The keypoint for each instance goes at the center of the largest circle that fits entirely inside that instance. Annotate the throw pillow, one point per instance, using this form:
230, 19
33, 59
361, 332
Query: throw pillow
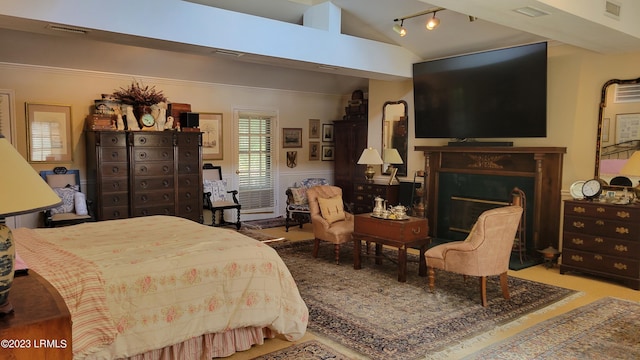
67, 196
332, 209
217, 188
80, 201
299, 196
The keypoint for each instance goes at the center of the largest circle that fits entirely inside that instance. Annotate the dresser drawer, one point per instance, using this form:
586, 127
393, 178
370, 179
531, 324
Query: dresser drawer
114, 169
189, 139
602, 263
152, 183
605, 227
371, 189
189, 167
153, 210
115, 199
114, 184
600, 244
154, 198
113, 155
153, 168
607, 211
111, 139
163, 139
115, 212
190, 181
153, 154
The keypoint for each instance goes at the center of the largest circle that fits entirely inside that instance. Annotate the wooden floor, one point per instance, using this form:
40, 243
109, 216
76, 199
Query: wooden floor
591, 288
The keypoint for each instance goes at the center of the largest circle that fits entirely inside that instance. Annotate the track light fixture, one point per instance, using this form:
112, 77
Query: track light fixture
433, 22
400, 28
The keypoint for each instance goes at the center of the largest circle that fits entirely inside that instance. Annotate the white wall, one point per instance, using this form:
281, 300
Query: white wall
79, 88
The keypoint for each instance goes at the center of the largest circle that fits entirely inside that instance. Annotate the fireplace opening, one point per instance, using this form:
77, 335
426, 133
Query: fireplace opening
465, 211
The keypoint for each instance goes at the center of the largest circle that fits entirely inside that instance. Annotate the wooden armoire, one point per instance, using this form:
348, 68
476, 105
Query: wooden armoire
350, 138
140, 173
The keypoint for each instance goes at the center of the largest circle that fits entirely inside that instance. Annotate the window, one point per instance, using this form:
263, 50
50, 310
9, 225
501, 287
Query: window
255, 162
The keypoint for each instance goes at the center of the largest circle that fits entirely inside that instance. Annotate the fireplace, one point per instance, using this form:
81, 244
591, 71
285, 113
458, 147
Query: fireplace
464, 211
489, 174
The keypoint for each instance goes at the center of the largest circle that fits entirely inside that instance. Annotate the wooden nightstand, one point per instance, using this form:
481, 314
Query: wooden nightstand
364, 193
40, 326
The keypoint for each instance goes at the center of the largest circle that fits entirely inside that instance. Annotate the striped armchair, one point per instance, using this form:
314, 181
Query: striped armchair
297, 205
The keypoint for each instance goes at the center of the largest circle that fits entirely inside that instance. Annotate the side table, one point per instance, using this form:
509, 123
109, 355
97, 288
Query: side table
401, 234
40, 326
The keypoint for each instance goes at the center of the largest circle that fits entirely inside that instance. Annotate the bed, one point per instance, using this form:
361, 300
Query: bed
163, 287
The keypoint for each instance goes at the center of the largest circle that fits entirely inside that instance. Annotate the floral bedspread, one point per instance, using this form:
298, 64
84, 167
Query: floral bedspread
138, 284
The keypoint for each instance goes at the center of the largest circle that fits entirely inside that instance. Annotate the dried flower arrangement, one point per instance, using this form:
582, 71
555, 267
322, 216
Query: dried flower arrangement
139, 95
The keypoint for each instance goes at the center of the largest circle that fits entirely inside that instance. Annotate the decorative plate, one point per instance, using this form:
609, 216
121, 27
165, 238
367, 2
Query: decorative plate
576, 190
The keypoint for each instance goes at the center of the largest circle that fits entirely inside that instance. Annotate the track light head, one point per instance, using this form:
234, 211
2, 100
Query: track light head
400, 29
433, 22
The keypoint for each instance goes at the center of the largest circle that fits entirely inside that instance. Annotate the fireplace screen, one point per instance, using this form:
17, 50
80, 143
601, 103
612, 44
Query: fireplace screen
465, 211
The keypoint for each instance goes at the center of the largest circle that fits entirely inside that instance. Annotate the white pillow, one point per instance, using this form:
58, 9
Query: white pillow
81, 203
67, 196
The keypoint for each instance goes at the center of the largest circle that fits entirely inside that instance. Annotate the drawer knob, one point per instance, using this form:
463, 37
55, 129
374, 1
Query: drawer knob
597, 257
577, 241
577, 258
599, 222
578, 224
623, 214
600, 210
579, 209
622, 230
416, 230
621, 248
620, 266
599, 240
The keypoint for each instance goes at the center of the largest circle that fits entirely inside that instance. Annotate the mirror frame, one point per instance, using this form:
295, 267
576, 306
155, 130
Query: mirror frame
402, 168
603, 105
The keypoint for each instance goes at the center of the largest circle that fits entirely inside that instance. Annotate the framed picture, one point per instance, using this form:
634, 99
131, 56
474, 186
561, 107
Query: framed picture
314, 150
314, 128
49, 133
327, 132
211, 128
328, 152
292, 137
627, 128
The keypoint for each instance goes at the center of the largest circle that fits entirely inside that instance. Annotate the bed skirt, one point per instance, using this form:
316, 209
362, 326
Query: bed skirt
210, 345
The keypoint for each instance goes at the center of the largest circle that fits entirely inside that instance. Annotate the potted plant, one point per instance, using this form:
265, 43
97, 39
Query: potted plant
140, 97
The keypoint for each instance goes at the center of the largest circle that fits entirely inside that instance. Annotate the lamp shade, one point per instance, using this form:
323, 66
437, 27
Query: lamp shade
22, 190
370, 156
391, 156
632, 166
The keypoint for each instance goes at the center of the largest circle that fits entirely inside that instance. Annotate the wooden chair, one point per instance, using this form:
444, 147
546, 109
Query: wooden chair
485, 252
75, 208
215, 196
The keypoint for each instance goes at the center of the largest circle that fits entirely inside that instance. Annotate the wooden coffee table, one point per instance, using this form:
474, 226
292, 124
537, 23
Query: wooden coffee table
401, 234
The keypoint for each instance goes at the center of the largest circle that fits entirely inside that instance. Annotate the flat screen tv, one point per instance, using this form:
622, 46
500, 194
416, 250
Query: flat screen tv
493, 94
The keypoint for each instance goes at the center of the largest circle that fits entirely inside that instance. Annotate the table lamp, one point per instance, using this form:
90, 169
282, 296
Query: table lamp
369, 157
391, 157
632, 168
22, 191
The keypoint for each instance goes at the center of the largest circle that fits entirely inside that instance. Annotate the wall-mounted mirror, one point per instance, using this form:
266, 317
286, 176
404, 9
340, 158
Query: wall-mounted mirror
395, 128
619, 133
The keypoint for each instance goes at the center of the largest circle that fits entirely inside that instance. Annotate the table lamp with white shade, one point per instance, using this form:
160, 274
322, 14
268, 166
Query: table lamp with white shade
22, 191
391, 157
370, 157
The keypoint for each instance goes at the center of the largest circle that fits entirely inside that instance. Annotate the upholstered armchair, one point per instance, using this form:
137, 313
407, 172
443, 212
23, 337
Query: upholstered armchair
297, 204
330, 222
485, 252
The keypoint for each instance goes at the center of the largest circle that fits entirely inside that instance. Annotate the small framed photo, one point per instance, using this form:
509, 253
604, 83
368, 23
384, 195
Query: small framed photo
49, 133
211, 128
327, 132
314, 150
328, 152
292, 137
314, 128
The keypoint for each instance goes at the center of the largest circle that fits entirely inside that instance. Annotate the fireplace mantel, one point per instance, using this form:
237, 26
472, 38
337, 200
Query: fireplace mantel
542, 166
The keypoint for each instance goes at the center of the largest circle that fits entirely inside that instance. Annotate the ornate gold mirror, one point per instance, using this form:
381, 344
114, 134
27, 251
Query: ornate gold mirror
619, 133
395, 128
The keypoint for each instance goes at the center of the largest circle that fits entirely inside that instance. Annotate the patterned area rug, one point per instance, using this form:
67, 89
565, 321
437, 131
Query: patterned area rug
308, 350
605, 329
369, 311
264, 223
258, 235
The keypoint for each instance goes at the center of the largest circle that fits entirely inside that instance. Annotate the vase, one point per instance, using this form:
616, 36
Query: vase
7, 263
